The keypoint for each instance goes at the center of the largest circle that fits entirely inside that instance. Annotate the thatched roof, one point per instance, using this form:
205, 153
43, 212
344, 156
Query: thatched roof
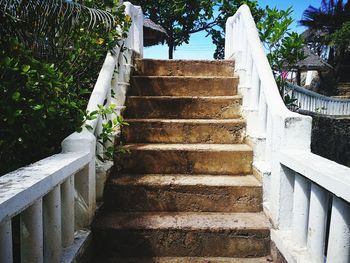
312, 62
153, 33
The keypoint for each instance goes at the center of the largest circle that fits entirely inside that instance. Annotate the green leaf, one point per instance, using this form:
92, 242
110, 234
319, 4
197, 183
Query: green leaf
16, 96
25, 68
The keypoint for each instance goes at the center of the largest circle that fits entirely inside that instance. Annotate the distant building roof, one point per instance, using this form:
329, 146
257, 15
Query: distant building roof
153, 33
312, 62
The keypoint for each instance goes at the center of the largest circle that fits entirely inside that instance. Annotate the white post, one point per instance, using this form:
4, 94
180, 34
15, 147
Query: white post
229, 38
52, 226
31, 229
85, 180
339, 233
139, 31
300, 210
67, 208
317, 223
6, 242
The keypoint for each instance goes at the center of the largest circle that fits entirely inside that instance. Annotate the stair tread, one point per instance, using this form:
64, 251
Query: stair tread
188, 147
199, 121
195, 221
186, 97
185, 180
182, 77
187, 260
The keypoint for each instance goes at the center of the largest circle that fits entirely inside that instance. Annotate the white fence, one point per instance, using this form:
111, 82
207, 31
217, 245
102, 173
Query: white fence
55, 198
314, 102
296, 182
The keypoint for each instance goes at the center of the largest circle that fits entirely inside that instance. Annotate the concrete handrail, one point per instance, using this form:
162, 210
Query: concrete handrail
295, 195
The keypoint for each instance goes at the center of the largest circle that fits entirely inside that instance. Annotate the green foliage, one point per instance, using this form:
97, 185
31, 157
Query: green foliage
46, 77
285, 48
341, 39
226, 9
180, 18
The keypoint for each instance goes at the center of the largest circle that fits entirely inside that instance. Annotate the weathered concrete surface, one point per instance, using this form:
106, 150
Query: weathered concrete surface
184, 131
151, 67
331, 137
215, 159
187, 260
184, 234
181, 193
172, 107
183, 86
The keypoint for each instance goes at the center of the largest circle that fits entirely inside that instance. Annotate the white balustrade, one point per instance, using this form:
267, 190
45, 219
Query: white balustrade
296, 183
311, 101
55, 198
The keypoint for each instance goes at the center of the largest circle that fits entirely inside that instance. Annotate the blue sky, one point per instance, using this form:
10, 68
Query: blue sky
201, 47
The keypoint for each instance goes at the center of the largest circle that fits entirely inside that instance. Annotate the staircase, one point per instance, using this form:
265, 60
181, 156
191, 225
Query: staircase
186, 192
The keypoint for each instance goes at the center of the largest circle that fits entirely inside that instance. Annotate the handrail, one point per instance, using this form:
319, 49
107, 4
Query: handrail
296, 183
311, 101
55, 198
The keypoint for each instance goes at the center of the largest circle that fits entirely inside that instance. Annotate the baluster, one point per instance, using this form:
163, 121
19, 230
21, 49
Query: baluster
6, 242
52, 226
268, 143
317, 223
85, 185
300, 209
255, 89
229, 38
31, 229
339, 233
67, 208
262, 113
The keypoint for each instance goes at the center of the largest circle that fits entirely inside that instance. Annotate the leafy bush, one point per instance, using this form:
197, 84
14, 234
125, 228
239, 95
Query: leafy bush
46, 79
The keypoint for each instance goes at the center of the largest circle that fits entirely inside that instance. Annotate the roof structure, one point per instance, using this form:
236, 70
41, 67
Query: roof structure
153, 33
312, 62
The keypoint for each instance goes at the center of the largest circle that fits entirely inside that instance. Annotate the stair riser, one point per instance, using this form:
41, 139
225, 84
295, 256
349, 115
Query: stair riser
184, 86
184, 68
180, 198
165, 132
186, 162
240, 243
183, 108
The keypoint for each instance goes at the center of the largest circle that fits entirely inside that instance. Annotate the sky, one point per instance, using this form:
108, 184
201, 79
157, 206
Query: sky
201, 47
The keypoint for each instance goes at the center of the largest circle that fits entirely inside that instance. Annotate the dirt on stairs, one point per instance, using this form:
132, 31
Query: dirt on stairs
186, 192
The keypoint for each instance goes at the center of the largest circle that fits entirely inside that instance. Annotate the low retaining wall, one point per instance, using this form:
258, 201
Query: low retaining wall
331, 137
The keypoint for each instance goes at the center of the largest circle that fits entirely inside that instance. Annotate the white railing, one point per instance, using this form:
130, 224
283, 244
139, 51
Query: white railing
311, 101
295, 181
55, 198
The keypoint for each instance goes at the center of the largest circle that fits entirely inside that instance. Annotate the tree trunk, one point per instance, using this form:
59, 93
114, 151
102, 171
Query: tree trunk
171, 49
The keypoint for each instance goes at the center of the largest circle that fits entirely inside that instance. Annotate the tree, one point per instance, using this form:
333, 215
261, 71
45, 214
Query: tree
323, 22
180, 18
227, 8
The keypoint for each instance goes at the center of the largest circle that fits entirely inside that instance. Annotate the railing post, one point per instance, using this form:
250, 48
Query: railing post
139, 31
339, 233
229, 39
6, 254
67, 208
52, 226
317, 223
32, 234
300, 210
84, 180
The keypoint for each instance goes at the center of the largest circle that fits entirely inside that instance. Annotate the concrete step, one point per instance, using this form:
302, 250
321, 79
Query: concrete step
185, 260
181, 193
184, 131
184, 67
243, 235
173, 107
183, 86
216, 159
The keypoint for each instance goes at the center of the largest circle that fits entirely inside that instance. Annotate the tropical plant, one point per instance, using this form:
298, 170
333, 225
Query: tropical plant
51, 53
323, 22
284, 47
